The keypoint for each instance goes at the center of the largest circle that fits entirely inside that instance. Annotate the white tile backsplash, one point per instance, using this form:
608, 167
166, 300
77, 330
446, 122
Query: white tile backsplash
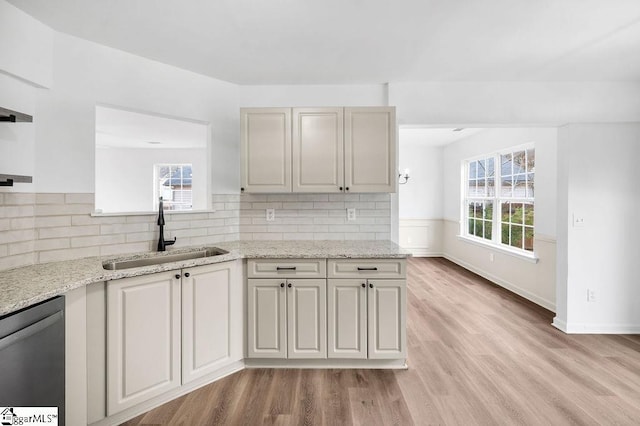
38, 228
315, 216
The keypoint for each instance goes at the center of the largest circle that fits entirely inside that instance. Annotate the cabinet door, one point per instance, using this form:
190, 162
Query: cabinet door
267, 316
143, 339
318, 151
347, 318
307, 318
266, 149
387, 319
370, 149
207, 297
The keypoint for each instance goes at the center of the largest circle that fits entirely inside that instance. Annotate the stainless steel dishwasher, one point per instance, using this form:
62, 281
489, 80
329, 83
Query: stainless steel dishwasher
32, 357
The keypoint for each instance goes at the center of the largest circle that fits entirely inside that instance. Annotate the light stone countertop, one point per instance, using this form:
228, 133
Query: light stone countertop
28, 285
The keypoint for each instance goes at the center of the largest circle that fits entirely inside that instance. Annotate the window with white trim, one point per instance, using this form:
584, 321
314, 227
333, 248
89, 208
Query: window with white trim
499, 198
173, 182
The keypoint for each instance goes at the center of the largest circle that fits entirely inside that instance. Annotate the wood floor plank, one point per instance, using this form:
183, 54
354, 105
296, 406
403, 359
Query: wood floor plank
477, 354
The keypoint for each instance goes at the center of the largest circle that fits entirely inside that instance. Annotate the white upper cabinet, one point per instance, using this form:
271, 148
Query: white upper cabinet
266, 149
318, 150
329, 149
370, 149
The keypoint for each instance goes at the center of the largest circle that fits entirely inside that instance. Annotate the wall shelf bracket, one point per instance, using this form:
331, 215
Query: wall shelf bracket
9, 180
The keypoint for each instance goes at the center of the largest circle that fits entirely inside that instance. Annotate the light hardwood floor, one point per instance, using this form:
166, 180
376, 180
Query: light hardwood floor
478, 354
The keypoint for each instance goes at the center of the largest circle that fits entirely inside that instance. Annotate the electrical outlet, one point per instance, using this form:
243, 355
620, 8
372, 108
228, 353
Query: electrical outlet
578, 221
351, 214
270, 215
490, 257
591, 295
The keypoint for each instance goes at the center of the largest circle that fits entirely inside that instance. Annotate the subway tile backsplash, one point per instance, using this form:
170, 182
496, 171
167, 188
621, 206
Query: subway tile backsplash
315, 217
39, 228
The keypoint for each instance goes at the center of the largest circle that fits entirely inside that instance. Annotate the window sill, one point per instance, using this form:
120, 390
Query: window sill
531, 258
149, 213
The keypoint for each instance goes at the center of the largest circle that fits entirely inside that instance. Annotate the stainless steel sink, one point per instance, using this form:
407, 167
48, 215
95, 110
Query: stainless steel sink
158, 260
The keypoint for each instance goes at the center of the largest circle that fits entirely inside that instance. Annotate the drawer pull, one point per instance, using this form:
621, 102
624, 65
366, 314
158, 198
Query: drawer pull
367, 269
285, 268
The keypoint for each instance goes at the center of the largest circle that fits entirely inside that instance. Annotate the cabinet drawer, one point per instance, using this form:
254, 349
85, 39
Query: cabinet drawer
285, 268
367, 268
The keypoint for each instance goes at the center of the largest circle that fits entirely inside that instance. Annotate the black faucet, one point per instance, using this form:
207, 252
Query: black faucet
161, 241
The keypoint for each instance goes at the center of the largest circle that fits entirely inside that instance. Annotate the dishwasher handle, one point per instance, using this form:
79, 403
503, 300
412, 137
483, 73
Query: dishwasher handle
30, 330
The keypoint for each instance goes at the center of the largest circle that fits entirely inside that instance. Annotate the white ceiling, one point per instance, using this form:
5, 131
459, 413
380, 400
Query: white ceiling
117, 128
433, 136
365, 41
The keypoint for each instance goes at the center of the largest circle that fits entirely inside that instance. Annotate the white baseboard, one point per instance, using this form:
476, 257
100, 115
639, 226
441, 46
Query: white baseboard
559, 324
547, 304
423, 252
372, 364
589, 328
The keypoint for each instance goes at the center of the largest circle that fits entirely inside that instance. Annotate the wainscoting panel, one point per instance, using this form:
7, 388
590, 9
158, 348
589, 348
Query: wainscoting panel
422, 237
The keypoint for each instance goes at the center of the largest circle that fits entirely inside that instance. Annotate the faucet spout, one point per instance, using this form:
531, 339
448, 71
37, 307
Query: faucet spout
162, 243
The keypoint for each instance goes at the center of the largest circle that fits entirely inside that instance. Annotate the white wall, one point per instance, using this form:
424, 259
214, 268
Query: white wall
17, 140
422, 197
25, 64
26, 46
124, 177
420, 201
535, 281
86, 73
303, 96
514, 103
597, 164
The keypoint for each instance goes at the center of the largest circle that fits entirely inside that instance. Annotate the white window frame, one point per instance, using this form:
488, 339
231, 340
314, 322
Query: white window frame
497, 199
156, 189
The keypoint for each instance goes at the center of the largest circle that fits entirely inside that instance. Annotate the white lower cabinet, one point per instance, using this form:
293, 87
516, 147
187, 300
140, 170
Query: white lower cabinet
347, 318
168, 329
387, 318
366, 318
208, 324
267, 318
307, 318
143, 339
287, 318
359, 312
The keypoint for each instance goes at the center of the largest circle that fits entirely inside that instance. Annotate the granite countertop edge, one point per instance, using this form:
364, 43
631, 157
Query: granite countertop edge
29, 285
